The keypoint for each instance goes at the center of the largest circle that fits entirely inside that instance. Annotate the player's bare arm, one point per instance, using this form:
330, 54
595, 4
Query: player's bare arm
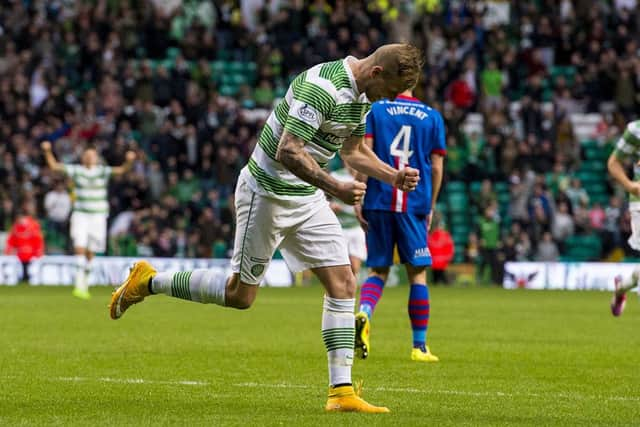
360, 157
359, 176
53, 164
130, 157
616, 170
291, 153
437, 171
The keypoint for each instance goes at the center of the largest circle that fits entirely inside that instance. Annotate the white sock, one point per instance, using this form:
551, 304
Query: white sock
338, 334
87, 272
81, 273
205, 286
629, 284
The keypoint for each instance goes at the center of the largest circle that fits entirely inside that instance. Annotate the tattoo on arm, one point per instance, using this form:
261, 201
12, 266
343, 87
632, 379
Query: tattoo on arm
291, 153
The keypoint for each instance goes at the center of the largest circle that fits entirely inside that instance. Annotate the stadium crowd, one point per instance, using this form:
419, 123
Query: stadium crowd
187, 84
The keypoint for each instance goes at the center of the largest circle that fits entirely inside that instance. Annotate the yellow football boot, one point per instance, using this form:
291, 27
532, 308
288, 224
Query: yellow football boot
363, 345
423, 355
345, 399
134, 289
78, 293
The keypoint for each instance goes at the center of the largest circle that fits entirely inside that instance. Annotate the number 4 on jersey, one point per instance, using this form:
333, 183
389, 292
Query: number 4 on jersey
403, 153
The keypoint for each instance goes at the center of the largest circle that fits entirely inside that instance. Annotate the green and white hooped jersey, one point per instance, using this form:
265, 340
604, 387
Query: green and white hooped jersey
347, 214
90, 188
323, 107
628, 147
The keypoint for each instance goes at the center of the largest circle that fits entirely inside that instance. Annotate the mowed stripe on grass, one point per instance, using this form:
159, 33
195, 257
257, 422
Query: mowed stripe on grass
508, 358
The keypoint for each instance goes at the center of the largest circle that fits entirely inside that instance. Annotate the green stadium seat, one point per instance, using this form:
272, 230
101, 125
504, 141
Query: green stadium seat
217, 67
280, 91
173, 53
587, 177
227, 90
456, 187
501, 187
583, 248
458, 218
238, 79
235, 67
458, 202
596, 188
593, 165
223, 55
504, 198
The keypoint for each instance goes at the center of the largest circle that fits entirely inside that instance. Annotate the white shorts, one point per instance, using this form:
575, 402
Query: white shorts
356, 242
308, 234
89, 231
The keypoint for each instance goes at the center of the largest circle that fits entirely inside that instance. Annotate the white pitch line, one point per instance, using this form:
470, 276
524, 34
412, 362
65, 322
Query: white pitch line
561, 395
131, 381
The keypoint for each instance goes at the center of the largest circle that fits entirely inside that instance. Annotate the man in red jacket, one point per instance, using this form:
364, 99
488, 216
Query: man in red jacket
442, 250
25, 239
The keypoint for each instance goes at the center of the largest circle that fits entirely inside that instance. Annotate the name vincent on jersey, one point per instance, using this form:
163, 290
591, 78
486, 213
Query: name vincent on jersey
396, 110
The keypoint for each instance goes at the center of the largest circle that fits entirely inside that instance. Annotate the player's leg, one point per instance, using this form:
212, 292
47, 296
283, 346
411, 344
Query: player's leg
619, 298
357, 244
256, 239
95, 230
338, 334
380, 244
414, 253
317, 243
79, 230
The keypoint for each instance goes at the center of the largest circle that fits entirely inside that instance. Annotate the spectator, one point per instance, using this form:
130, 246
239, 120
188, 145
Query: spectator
57, 203
25, 239
486, 197
597, 217
547, 250
492, 83
442, 251
577, 195
563, 225
489, 233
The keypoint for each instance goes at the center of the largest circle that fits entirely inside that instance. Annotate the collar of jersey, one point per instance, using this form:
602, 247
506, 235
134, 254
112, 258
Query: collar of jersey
407, 98
345, 63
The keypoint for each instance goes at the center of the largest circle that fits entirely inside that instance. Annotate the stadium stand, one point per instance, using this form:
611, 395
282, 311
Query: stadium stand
532, 104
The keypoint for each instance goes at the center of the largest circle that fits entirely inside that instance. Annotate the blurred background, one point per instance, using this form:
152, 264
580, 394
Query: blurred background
534, 95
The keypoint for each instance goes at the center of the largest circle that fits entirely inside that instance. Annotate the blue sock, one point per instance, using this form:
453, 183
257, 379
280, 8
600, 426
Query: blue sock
419, 313
370, 294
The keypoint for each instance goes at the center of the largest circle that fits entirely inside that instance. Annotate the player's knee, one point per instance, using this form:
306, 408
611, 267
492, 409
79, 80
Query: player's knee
381, 272
243, 302
351, 285
239, 294
416, 274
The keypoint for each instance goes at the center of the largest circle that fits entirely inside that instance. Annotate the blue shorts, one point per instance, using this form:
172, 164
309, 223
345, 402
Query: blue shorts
390, 229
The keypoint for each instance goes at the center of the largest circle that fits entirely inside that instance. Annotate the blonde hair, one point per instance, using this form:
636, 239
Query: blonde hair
403, 61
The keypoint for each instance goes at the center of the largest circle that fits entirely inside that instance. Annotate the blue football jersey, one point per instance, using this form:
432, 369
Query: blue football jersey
405, 132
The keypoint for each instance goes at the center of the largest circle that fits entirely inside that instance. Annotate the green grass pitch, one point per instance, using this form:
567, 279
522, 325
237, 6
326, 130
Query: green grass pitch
507, 358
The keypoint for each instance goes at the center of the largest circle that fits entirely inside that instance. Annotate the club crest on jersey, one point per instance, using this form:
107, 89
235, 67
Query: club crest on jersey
307, 113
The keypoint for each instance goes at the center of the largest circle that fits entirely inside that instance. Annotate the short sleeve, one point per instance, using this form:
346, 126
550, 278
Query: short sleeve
310, 106
69, 169
107, 171
438, 136
629, 142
